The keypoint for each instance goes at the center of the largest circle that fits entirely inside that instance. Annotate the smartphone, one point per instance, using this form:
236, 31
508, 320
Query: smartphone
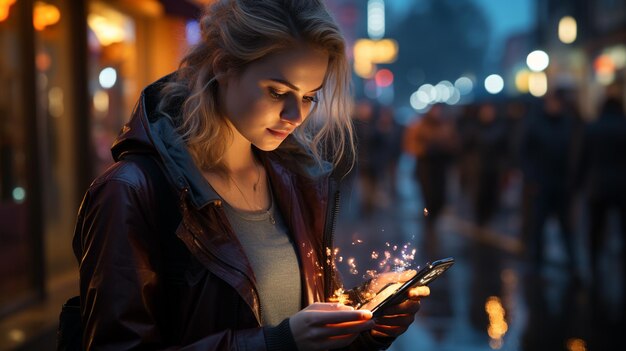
395, 293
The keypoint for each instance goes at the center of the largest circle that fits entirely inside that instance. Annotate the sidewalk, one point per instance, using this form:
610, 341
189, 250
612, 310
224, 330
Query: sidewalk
485, 301
35, 327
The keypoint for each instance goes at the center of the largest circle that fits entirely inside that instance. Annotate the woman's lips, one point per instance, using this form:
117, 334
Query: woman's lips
282, 134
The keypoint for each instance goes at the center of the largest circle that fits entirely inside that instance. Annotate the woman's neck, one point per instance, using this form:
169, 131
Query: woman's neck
244, 183
239, 156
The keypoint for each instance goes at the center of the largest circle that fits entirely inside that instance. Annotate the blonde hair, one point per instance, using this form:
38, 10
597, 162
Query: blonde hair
236, 33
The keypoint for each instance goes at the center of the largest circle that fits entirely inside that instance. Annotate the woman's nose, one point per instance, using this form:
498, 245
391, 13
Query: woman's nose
292, 112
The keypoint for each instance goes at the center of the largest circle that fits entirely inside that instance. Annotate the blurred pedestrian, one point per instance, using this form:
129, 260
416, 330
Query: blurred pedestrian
603, 168
515, 114
548, 154
466, 124
489, 145
389, 151
433, 141
367, 142
604, 173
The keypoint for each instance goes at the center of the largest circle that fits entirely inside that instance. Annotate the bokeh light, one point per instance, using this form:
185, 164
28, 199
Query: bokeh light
107, 77
537, 60
567, 30
494, 84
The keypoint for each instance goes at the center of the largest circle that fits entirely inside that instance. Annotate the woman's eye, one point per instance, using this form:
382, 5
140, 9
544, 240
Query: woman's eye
275, 94
310, 99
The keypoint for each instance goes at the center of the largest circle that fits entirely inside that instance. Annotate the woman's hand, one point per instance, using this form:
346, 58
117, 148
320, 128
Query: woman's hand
396, 319
324, 326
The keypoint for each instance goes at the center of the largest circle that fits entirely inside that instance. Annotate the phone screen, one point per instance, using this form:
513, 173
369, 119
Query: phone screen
394, 293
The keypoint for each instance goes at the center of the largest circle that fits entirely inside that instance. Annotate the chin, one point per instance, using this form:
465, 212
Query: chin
267, 146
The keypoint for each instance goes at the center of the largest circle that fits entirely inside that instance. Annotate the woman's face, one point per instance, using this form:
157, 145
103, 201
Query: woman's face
271, 97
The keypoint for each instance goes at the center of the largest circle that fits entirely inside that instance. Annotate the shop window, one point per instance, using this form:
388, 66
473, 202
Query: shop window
17, 258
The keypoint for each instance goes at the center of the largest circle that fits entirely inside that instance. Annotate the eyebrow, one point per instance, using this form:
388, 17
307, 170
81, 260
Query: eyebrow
291, 86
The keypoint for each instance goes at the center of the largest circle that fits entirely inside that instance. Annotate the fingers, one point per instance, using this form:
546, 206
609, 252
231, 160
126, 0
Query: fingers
321, 315
328, 326
328, 306
409, 306
344, 329
389, 331
398, 320
316, 318
420, 291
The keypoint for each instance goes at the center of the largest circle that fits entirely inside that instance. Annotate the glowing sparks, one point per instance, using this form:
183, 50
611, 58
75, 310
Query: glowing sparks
341, 297
352, 266
396, 258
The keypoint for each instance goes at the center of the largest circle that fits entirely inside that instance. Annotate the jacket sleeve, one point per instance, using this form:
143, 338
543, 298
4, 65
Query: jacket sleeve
120, 287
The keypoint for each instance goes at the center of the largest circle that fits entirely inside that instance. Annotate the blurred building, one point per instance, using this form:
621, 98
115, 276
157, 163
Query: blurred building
70, 73
586, 42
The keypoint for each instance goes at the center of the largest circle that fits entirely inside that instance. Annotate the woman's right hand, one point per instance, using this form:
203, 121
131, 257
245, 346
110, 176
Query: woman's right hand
324, 326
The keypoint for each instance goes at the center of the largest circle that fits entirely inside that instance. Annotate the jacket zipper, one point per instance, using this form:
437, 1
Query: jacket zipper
329, 237
208, 252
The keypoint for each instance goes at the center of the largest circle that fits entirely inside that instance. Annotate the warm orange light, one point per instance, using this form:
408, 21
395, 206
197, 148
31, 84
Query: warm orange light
43, 61
604, 64
497, 322
538, 84
108, 25
368, 53
576, 345
4, 8
605, 69
521, 81
364, 68
45, 15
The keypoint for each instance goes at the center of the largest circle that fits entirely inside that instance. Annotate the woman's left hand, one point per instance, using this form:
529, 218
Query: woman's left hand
396, 319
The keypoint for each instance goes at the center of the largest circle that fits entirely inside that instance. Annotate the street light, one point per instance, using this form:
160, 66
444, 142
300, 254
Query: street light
538, 60
376, 19
494, 84
567, 29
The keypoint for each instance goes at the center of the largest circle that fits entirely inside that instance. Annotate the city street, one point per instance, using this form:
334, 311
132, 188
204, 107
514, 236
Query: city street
490, 274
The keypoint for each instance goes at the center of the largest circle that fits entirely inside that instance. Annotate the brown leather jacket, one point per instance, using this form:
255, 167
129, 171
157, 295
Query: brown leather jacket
160, 267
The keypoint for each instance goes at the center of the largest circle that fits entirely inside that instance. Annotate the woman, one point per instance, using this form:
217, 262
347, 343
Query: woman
211, 230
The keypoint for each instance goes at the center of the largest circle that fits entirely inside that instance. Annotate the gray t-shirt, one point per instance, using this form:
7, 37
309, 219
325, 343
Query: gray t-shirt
271, 254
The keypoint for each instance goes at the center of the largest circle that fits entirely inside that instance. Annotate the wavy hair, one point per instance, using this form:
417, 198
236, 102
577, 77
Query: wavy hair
236, 33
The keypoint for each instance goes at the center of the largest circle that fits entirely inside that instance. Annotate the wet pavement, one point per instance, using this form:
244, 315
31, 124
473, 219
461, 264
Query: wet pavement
492, 298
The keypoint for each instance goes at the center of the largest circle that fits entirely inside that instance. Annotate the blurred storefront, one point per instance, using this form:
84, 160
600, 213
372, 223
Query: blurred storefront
71, 72
586, 41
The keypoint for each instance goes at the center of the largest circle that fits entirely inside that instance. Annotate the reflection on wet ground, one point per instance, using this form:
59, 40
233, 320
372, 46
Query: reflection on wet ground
492, 298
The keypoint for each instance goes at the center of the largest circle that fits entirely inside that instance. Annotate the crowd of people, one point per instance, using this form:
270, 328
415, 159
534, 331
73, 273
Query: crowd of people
537, 156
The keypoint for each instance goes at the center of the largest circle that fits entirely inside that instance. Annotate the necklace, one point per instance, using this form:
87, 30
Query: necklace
254, 189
